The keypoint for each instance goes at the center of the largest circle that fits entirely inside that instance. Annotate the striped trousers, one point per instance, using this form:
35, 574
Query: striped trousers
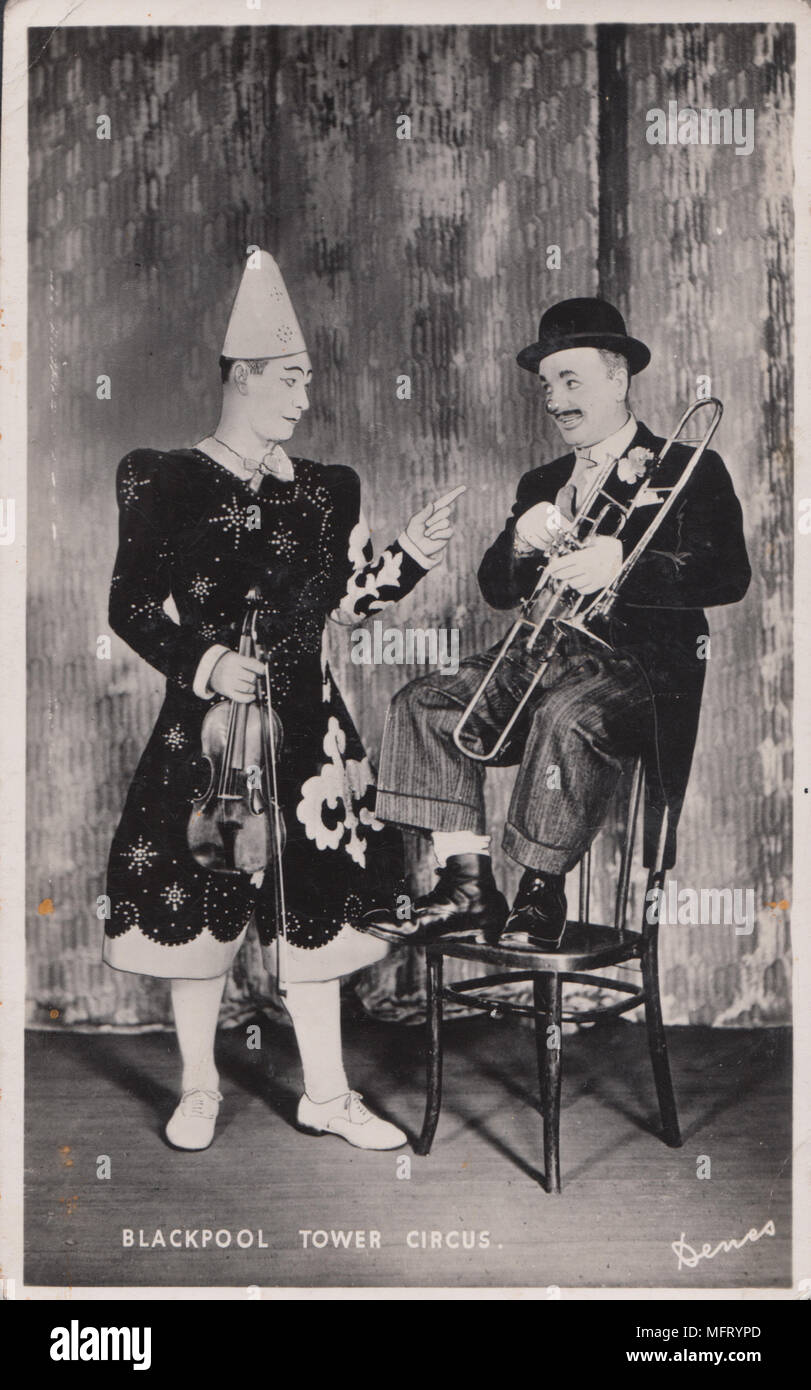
590, 715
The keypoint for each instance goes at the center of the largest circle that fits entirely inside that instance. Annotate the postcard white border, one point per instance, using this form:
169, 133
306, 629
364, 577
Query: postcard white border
19, 16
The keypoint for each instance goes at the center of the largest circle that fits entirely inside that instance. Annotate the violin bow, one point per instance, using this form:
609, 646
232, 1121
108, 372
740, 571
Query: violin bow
272, 794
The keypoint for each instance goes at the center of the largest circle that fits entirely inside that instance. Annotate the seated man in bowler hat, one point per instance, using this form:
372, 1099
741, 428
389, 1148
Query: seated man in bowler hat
596, 707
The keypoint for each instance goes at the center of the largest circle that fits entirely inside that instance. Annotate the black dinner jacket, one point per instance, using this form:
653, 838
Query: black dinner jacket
696, 560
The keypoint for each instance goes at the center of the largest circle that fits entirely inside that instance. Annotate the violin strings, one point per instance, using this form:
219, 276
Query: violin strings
226, 771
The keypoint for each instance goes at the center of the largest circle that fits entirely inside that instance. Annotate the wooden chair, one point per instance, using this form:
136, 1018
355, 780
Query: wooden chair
585, 947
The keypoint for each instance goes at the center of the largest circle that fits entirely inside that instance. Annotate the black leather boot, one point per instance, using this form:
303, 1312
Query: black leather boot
465, 895
540, 908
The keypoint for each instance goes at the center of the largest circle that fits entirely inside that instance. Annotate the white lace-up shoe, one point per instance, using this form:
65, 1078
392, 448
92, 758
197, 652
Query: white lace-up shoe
192, 1125
347, 1116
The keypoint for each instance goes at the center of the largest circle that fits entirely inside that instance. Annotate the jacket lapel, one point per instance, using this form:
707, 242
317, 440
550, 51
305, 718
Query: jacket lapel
557, 474
553, 476
644, 438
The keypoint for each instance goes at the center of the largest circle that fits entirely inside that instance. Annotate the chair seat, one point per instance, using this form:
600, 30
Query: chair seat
584, 945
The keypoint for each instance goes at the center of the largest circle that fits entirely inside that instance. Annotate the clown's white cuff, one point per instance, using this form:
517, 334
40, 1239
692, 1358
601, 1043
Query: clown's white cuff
427, 561
205, 666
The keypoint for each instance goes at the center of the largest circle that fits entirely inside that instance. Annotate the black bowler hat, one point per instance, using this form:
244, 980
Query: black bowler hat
583, 323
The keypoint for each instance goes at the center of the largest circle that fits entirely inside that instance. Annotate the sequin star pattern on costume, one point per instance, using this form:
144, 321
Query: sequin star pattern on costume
184, 534
282, 542
201, 586
231, 518
131, 485
175, 896
140, 854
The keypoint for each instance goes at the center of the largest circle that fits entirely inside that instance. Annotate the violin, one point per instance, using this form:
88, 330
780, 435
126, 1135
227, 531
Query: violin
236, 826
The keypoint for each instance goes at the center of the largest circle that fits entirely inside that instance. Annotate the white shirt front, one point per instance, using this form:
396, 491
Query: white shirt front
614, 445
587, 461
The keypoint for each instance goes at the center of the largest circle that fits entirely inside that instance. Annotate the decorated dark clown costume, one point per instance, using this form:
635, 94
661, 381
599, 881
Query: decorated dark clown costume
200, 529
193, 530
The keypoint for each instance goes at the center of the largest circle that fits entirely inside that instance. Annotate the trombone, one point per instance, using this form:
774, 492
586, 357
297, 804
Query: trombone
564, 608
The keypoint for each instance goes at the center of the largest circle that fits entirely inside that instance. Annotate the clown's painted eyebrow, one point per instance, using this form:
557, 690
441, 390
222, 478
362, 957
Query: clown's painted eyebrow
565, 371
297, 369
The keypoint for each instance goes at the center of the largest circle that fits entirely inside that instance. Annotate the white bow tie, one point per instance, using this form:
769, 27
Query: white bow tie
275, 461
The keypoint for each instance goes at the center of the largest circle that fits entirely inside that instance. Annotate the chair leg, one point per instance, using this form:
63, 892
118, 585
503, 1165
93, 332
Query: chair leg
547, 999
433, 1098
657, 1042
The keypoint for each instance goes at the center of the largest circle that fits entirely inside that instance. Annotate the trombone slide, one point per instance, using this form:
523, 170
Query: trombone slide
579, 609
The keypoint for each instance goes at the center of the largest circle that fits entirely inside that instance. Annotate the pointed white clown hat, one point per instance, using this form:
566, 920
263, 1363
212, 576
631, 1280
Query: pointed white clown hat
263, 322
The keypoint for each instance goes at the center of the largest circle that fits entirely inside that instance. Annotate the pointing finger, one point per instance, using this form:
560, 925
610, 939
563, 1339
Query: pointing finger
449, 497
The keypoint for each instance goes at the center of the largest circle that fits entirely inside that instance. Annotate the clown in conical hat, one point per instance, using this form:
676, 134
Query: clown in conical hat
263, 321
264, 365
203, 526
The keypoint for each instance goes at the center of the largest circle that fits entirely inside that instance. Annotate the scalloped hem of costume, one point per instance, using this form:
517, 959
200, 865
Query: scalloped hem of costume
347, 952
203, 958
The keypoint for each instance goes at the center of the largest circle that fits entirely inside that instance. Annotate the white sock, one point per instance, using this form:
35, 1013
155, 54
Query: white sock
196, 1007
448, 842
315, 1009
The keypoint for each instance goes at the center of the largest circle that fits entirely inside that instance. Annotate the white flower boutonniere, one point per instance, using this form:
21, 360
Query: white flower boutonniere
635, 465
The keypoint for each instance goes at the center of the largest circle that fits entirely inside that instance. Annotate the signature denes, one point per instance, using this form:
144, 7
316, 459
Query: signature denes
688, 1258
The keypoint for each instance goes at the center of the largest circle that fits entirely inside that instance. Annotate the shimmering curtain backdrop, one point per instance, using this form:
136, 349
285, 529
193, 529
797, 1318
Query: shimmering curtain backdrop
427, 257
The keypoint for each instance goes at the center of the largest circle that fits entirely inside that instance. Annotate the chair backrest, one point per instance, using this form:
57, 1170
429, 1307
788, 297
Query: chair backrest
626, 857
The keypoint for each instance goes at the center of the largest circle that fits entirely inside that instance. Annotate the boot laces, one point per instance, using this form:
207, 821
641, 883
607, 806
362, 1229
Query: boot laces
355, 1108
199, 1103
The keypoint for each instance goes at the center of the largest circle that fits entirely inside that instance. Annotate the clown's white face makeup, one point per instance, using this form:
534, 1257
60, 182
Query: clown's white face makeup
273, 401
586, 402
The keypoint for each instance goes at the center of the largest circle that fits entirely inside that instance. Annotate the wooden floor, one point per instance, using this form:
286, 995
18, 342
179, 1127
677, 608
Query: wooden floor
625, 1196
